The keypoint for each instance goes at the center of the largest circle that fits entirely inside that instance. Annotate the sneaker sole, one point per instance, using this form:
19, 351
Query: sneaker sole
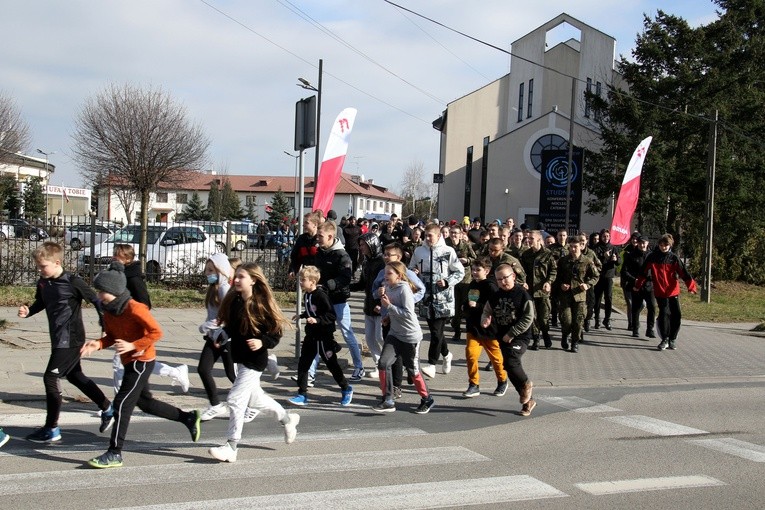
499, 393
214, 456
471, 395
423, 411
384, 409
299, 404
196, 432
104, 466
4, 440
45, 441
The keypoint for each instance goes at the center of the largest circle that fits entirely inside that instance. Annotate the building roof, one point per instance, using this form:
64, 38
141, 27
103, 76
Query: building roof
348, 185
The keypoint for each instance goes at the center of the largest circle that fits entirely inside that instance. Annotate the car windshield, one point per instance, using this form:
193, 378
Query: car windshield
243, 228
132, 235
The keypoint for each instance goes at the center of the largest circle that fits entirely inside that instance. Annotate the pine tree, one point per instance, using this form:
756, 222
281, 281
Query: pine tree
230, 208
251, 214
214, 202
195, 209
280, 210
9, 200
34, 200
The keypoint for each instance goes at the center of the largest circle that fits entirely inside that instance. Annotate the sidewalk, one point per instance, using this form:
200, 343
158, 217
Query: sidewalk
706, 353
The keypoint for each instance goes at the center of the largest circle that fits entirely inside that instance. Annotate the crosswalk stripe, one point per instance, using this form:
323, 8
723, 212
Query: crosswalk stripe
748, 451
648, 484
577, 404
654, 426
66, 419
452, 493
54, 481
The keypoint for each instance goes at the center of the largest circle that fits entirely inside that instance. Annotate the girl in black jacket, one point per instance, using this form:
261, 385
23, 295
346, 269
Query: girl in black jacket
252, 321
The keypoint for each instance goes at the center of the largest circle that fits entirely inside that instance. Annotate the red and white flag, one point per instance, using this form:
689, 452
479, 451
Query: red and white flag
628, 195
63, 192
334, 157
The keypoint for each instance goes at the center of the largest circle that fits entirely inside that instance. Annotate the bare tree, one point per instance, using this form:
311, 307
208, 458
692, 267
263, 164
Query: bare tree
14, 131
137, 138
413, 183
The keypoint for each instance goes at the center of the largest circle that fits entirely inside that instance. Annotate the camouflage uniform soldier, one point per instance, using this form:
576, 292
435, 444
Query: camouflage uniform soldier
541, 269
559, 250
576, 274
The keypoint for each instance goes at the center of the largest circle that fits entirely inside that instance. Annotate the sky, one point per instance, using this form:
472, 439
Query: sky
233, 65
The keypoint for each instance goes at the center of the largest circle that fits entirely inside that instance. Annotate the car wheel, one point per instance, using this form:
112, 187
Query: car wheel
241, 246
76, 244
3, 237
34, 236
221, 247
153, 271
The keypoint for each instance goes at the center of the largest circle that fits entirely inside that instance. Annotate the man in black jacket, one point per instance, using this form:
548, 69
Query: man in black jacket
608, 255
352, 232
631, 270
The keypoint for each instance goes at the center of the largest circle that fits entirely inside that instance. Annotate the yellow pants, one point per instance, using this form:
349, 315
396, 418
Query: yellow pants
473, 352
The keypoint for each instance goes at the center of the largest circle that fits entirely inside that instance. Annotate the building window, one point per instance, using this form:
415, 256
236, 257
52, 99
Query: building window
387, 207
291, 202
531, 98
182, 198
161, 198
587, 99
597, 93
307, 202
251, 200
520, 102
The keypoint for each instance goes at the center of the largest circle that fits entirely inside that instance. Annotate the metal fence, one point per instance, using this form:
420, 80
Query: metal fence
175, 257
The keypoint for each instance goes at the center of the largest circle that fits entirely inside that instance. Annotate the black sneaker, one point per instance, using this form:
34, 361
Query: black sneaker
635, 334
386, 406
472, 391
607, 325
194, 424
106, 419
488, 367
501, 389
650, 334
106, 460
564, 343
662, 345
672, 345
425, 405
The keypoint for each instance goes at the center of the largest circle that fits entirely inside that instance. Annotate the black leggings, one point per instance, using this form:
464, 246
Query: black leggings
210, 354
66, 363
669, 317
135, 391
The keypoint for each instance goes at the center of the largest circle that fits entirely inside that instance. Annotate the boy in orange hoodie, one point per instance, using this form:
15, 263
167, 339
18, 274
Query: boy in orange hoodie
131, 329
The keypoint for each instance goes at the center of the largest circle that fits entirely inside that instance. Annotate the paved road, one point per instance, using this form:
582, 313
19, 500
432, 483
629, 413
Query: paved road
617, 425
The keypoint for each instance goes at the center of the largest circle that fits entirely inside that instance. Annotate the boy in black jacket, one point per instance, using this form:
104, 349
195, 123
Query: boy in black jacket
60, 294
319, 316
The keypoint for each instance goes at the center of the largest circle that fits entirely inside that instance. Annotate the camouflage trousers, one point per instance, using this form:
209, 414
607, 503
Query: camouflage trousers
572, 314
541, 315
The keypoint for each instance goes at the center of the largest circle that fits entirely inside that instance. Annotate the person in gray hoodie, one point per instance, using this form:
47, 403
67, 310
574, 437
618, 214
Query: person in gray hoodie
403, 339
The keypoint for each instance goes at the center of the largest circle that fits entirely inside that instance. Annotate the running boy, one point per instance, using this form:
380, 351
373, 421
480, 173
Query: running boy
478, 338
60, 294
512, 310
319, 315
130, 327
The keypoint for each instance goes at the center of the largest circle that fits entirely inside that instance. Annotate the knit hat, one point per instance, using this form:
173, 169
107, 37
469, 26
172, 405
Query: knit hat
111, 280
222, 265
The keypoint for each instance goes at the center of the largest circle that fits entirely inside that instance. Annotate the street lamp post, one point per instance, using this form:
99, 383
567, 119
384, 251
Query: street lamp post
307, 85
295, 193
47, 180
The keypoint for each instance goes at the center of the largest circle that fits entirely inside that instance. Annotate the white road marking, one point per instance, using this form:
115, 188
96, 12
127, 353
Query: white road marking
66, 419
452, 493
748, 451
654, 426
647, 484
294, 467
577, 404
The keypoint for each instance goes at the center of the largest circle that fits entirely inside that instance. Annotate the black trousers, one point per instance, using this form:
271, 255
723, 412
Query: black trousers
326, 348
511, 360
460, 299
398, 365
135, 391
604, 290
394, 350
438, 346
638, 298
209, 355
669, 317
66, 363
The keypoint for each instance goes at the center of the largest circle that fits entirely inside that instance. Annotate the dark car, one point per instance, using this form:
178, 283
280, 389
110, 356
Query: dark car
26, 230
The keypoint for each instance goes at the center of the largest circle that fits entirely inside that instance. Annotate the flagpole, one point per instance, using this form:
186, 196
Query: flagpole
62, 201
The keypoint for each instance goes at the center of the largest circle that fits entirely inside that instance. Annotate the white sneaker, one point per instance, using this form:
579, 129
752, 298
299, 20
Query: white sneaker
183, 378
375, 374
273, 366
290, 428
223, 453
214, 411
448, 363
429, 370
250, 414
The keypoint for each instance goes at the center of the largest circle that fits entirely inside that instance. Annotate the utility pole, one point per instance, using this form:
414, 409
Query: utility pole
706, 283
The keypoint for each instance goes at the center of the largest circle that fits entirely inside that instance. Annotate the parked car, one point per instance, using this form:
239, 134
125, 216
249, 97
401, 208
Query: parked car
218, 231
24, 229
243, 230
79, 236
172, 250
6, 232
